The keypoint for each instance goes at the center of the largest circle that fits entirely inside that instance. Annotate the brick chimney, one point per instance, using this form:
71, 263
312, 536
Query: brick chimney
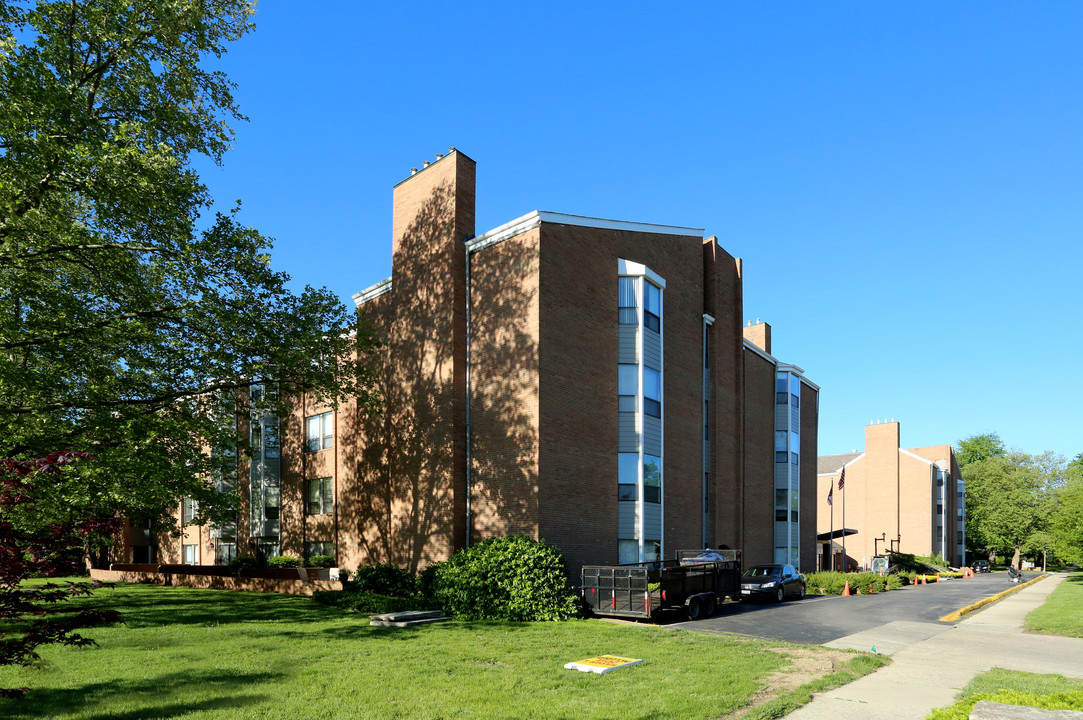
433, 214
759, 335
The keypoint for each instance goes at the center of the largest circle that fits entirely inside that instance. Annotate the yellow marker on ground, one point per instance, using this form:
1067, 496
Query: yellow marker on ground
602, 664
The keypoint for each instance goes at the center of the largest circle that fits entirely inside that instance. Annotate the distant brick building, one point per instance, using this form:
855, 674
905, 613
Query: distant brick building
907, 500
584, 381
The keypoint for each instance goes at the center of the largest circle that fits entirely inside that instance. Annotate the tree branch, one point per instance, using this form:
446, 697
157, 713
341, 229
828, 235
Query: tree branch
155, 313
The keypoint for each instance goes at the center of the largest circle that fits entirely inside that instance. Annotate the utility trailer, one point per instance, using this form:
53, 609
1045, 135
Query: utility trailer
695, 580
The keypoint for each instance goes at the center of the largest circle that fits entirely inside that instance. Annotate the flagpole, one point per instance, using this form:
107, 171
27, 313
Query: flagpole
831, 535
842, 487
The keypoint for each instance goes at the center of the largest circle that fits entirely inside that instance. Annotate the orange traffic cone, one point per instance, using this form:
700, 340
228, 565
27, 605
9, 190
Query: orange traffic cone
846, 589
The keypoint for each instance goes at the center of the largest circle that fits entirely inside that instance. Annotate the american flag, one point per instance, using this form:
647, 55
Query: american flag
830, 491
842, 478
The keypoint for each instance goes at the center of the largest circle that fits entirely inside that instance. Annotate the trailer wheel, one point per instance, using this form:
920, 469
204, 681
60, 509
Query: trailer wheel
710, 605
695, 609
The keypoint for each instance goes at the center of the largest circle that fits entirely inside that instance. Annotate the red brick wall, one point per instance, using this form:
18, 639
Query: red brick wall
505, 387
809, 426
724, 302
759, 460
578, 362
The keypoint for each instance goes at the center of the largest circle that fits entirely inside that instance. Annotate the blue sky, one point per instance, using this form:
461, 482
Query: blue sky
903, 181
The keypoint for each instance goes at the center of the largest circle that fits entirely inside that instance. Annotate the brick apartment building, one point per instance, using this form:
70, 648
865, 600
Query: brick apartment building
585, 381
906, 500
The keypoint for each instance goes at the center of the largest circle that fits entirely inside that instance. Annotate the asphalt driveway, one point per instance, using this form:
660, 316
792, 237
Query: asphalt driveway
818, 620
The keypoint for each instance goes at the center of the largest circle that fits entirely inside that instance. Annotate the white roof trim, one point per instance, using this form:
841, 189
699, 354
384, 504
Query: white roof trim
533, 219
370, 292
505, 231
627, 268
579, 220
780, 366
800, 372
749, 345
916, 457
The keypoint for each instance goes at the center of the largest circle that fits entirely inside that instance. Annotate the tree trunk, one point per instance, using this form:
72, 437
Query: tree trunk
1015, 558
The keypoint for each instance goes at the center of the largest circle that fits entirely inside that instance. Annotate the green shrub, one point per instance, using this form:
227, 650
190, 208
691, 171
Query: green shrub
426, 580
320, 561
511, 578
833, 583
914, 564
284, 561
369, 603
243, 562
384, 579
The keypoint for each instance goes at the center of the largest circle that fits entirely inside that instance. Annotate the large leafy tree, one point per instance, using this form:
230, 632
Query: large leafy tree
130, 313
32, 615
1066, 531
979, 447
1008, 500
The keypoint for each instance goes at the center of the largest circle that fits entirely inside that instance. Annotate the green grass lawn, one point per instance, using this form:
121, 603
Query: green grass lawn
1062, 612
218, 654
1054, 692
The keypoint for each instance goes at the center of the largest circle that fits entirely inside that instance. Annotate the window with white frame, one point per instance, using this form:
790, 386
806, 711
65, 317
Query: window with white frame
640, 400
652, 307
319, 547
189, 510
191, 554
225, 552
320, 496
319, 431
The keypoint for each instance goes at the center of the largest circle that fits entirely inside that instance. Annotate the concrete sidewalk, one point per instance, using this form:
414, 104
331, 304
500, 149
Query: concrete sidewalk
933, 661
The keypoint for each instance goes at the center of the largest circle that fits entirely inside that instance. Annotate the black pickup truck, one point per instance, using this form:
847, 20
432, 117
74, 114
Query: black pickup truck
695, 580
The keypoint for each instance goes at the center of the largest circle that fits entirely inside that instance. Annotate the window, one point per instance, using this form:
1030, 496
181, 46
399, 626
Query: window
652, 392
226, 552
270, 441
652, 307
319, 547
628, 301
189, 511
191, 554
627, 387
652, 550
628, 551
781, 453
652, 479
320, 496
272, 502
267, 550
627, 475
142, 554
319, 431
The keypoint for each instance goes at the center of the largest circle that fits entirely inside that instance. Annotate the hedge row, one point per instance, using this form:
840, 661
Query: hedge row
511, 578
833, 583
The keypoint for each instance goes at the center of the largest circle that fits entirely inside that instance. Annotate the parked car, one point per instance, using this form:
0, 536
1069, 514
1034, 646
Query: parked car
980, 566
776, 582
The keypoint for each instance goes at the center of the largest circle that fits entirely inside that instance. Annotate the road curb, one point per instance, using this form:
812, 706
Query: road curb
952, 617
